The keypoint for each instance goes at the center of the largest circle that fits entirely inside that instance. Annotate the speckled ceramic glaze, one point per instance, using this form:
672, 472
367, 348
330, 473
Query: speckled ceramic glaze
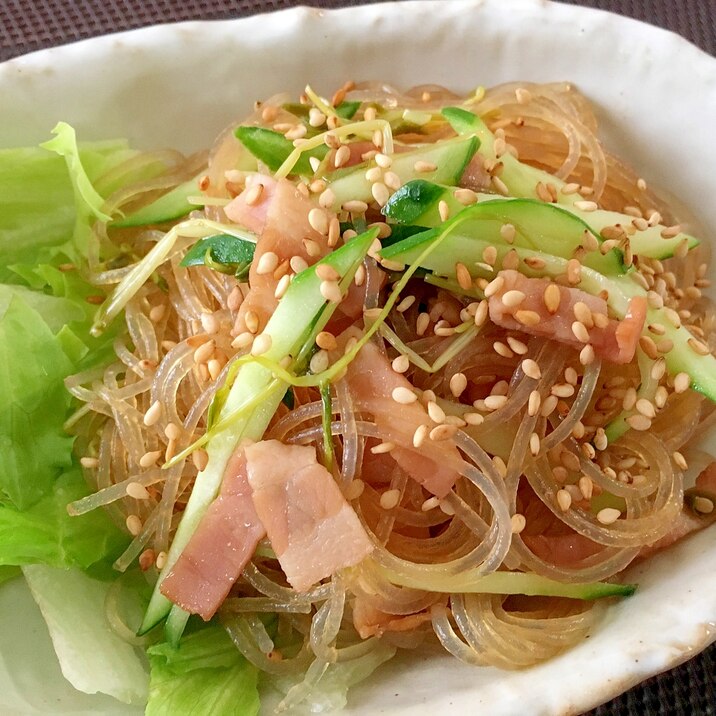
179, 85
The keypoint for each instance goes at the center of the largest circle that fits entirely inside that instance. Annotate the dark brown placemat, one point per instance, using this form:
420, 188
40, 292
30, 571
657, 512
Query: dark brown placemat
27, 25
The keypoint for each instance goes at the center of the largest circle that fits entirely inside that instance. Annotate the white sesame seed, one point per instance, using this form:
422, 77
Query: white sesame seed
403, 395
382, 448
252, 195
318, 220
343, 154
608, 515
383, 160
298, 264
473, 418
586, 487
421, 323
639, 422
679, 460
430, 504
513, 298
420, 435
318, 362
392, 180
261, 344
548, 405
531, 369
252, 322
326, 199
354, 490
703, 505
458, 384
533, 404
495, 402
153, 414
89, 462
243, 340
564, 499
134, 525
331, 291
481, 313
161, 560
534, 444
586, 205
500, 465
580, 331
282, 286
682, 382
527, 318
552, 297
267, 263
204, 352
400, 364
562, 390
517, 523
436, 413
443, 210
466, 197
494, 286
405, 304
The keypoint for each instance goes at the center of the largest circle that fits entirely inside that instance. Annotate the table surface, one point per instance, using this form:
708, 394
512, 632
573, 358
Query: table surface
27, 25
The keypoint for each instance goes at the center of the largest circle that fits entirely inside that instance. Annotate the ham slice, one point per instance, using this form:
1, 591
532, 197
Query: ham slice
313, 530
280, 218
615, 341
219, 549
371, 381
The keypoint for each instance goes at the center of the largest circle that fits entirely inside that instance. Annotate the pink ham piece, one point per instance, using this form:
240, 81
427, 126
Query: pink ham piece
219, 549
372, 381
280, 218
616, 341
313, 530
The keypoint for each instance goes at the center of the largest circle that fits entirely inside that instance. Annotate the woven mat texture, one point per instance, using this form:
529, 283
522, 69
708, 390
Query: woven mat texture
27, 25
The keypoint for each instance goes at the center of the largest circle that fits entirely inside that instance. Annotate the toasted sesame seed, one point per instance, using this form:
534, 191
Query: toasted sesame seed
698, 347
204, 352
679, 460
153, 414
466, 197
534, 402
157, 313
562, 390
89, 462
639, 422
659, 368
380, 193
252, 195
513, 298
564, 499
534, 444
355, 206
149, 458
531, 369
326, 198
243, 340
298, 264
600, 439
405, 304
359, 278
481, 313
420, 435
473, 418
552, 297
403, 395
508, 232
161, 560
646, 407
137, 491
463, 276
282, 286
383, 447
583, 314
331, 291
422, 166
430, 504
436, 413
574, 271
252, 322
527, 318
500, 465
458, 384
548, 405
516, 345
499, 185
671, 232
342, 155
318, 220
703, 505
608, 515
421, 323
200, 458
571, 188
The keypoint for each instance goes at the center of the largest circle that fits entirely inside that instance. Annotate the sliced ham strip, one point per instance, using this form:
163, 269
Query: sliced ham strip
280, 218
313, 530
372, 381
219, 549
615, 341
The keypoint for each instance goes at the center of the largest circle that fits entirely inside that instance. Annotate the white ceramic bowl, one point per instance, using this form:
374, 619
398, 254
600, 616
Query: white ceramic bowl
179, 85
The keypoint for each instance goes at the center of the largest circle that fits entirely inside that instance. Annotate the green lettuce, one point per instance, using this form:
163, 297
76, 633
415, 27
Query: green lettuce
205, 674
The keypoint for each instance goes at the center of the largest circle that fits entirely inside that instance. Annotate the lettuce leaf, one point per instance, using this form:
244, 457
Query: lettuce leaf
34, 449
46, 534
37, 212
93, 658
205, 674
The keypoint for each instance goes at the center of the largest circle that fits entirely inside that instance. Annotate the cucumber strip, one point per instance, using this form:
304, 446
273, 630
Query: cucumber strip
168, 207
450, 158
291, 321
272, 148
539, 226
620, 289
473, 582
520, 179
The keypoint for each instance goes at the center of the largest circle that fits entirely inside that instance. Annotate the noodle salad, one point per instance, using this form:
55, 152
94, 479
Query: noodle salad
377, 370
